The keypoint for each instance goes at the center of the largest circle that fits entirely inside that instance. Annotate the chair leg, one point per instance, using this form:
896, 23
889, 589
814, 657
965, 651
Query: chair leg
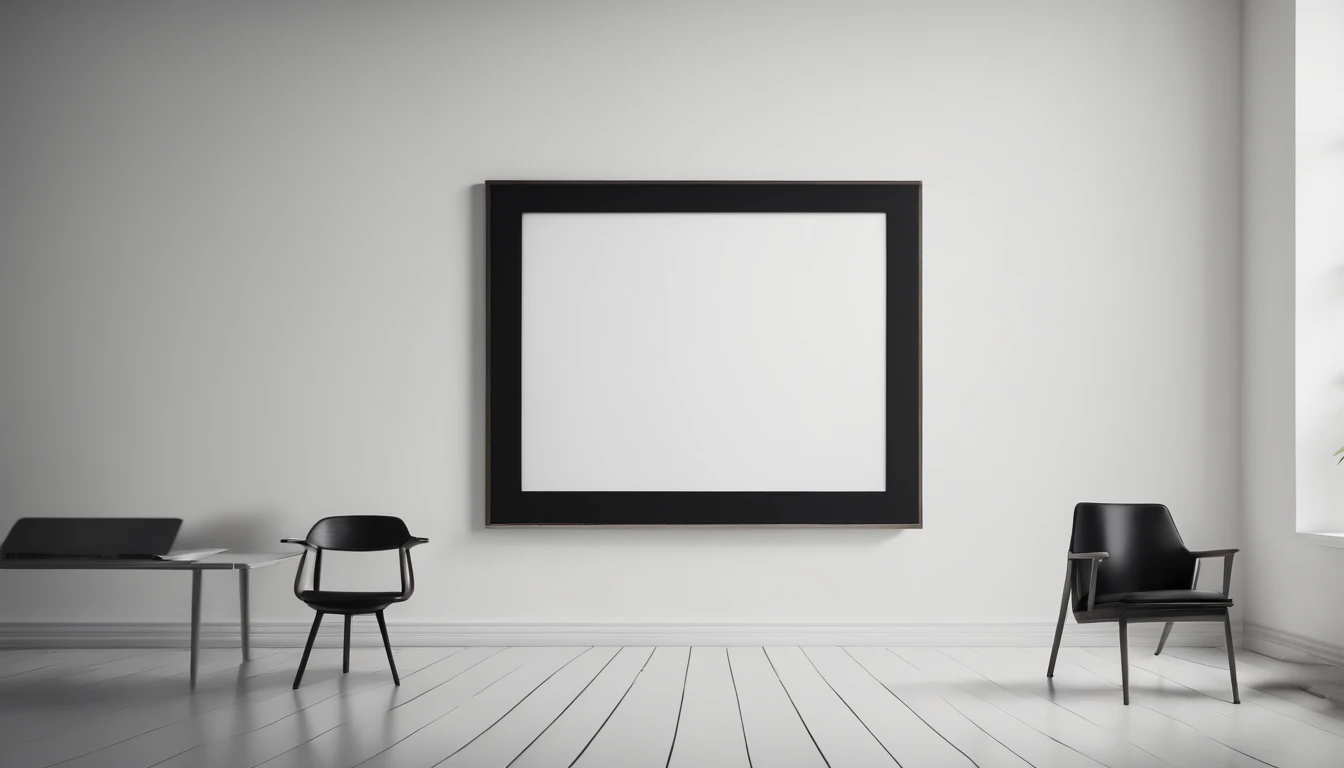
1231, 657
387, 644
307, 649
345, 659
1124, 659
1059, 627
1163, 642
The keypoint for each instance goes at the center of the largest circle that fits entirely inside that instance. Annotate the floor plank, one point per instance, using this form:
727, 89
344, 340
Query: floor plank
165, 744
100, 701
17, 665
371, 684
112, 670
1055, 723
924, 697
1205, 679
1283, 680
35, 675
1215, 718
970, 698
641, 730
456, 728
1255, 687
776, 734
259, 679
1317, 672
1096, 701
710, 732
565, 738
23, 703
841, 738
375, 720
908, 738
506, 739
16, 654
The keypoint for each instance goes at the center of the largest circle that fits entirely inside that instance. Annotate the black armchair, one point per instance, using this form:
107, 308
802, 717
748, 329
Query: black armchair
1127, 564
356, 533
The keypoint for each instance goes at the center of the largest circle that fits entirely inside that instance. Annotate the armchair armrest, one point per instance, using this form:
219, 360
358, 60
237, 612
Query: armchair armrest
1226, 554
1089, 555
1095, 558
1214, 552
317, 567
407, 567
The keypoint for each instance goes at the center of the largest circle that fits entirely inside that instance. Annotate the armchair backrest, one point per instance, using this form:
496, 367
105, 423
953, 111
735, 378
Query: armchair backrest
359, 533
1146, 551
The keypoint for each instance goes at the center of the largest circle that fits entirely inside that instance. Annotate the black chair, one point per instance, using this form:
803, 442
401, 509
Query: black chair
1127, 564
355, 533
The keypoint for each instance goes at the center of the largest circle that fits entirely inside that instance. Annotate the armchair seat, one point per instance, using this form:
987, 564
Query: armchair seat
343, 602
1168, 598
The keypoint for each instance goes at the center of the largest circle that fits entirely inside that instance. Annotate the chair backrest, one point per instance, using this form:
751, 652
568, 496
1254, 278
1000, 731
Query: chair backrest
359, 533
1146, 549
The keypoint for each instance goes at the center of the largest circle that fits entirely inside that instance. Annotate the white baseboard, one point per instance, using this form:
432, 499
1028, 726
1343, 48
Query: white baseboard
1288, 646
365, 633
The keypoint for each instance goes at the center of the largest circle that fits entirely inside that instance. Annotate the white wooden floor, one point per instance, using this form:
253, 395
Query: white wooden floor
632, 707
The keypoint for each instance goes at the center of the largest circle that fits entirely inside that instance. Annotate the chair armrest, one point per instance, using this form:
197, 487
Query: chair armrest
1095, 558
1226, 554
1089, 555
298, 573
1215, 552
407, 568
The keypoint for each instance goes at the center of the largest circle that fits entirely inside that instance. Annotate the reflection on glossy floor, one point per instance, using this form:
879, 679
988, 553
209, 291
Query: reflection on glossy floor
668, 706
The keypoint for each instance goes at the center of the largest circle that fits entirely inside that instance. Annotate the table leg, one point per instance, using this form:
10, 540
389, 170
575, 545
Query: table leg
195, 621
245, 613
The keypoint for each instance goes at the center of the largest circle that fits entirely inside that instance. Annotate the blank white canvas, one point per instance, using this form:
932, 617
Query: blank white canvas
704, 352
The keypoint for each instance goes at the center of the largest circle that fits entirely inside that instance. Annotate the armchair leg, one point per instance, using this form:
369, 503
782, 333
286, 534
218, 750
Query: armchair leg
345, 659
1163, 642
307, 649
1124, 659
387, 644
1059, 627
1231, 657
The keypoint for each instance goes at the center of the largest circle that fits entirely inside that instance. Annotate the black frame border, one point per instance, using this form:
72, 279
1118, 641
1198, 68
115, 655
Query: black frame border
899, 506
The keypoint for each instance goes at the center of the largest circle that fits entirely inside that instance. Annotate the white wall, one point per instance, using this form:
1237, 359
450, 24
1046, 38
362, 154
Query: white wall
241, 278
1292, 584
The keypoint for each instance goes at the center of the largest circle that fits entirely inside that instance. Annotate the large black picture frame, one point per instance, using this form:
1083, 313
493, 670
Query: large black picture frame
898, 506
